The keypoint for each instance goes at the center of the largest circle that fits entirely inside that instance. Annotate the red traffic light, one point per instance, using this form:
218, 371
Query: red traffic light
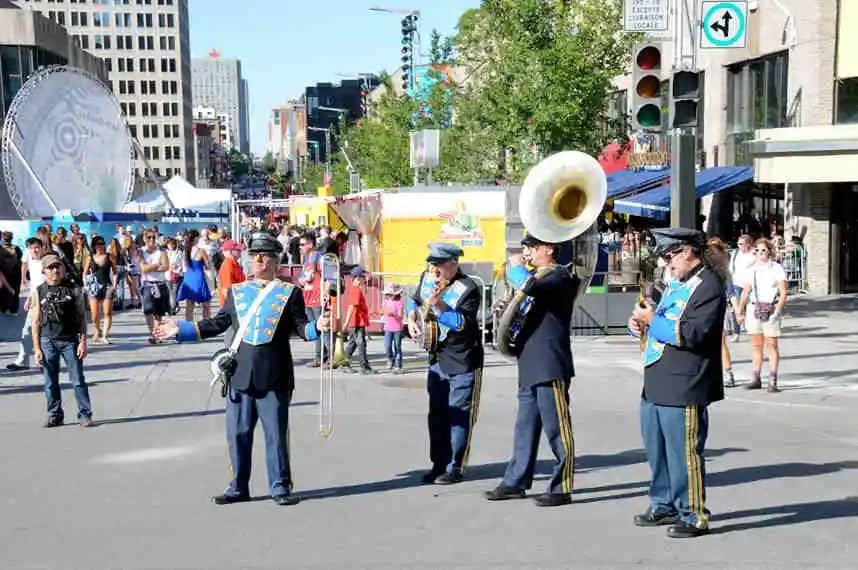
649, 58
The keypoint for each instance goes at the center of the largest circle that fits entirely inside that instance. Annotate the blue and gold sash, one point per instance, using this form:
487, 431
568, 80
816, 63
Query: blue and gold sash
671, 306
261, 328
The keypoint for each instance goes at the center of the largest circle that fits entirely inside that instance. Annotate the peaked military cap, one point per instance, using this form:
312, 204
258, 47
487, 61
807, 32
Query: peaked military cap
263, 242
440, 252
668, 239
530, 239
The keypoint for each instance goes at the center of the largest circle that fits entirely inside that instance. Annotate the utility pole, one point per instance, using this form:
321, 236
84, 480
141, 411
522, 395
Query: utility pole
683, 191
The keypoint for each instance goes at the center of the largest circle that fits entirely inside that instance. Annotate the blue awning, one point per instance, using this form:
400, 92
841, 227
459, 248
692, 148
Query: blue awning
655, 203
625, 181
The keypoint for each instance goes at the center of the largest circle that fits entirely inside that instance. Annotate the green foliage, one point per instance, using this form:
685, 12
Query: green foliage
268, 163
537, 74
239, 164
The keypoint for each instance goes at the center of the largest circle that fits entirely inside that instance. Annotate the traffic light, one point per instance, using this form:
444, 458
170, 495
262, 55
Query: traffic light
684, 97
646, 87
409, 27
364, 97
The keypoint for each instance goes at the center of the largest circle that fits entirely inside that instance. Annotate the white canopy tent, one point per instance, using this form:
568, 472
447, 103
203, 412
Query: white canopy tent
183, 196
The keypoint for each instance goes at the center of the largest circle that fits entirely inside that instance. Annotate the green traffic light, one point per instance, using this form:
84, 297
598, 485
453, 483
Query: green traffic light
649, 116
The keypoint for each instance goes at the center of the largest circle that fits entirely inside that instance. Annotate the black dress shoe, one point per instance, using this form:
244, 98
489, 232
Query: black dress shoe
229, 499
650, 518
552, 499
430, 476
286, 500
16, 367
449, 478
684, 530
503, 493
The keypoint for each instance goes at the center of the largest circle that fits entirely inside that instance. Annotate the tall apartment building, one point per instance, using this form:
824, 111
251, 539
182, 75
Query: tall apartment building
217, 82
146, 47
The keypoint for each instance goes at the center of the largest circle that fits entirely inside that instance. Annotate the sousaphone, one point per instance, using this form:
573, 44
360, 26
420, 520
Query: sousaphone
560, 200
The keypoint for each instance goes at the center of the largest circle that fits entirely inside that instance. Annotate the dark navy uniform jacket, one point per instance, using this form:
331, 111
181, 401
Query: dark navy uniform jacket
689, 371
460, 349
266, 364
546, 349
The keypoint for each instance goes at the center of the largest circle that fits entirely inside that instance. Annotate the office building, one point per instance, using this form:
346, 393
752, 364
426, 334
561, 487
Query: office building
287, 135
217, 83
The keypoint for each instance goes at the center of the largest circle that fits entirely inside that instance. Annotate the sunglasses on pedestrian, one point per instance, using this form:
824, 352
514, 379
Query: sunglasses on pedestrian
54, 266
763, 251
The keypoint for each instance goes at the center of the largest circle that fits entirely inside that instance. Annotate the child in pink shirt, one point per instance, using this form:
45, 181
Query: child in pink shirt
394, 312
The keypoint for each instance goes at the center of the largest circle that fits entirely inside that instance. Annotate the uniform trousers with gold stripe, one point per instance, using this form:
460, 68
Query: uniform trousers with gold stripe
454, 402
242, 412
674, 437
543, 407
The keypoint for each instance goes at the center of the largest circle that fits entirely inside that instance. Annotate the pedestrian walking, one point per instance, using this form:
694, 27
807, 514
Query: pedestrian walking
100, 279
394, 315
58, 327
230, 272
156, 296
10, 267
357, 321
31, 267
194, 289
761, 310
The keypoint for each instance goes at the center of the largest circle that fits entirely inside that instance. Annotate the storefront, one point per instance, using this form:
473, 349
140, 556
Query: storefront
817, 168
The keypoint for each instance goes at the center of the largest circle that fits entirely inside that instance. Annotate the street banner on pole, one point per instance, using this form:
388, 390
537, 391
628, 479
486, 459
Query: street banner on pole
645, 15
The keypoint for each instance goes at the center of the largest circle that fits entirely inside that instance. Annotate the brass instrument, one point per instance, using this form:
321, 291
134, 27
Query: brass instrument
560, 200
330, 267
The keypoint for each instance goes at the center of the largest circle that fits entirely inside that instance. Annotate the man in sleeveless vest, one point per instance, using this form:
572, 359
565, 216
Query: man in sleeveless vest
682, 376
262, 384
455, 370
545, 372
57, 316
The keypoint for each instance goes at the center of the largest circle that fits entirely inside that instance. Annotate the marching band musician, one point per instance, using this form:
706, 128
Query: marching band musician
545, 371
682, 376
262, 383
455, 371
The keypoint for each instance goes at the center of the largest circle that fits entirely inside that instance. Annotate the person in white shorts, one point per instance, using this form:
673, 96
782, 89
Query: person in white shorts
761, 309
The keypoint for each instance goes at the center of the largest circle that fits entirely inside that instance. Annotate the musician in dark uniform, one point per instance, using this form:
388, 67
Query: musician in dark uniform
545, 372
455, 370
261, 387
682, 376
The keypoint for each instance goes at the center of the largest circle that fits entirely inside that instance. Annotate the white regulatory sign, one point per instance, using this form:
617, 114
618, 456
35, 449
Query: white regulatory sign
645, 15
724, 25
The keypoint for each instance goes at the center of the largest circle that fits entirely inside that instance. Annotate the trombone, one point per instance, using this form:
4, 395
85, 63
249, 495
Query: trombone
330, 266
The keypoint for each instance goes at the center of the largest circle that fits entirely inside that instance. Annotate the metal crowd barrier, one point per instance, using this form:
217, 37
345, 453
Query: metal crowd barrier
794, 263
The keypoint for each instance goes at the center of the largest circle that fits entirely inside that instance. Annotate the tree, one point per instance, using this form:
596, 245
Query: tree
269, 165
539, 73
239, 164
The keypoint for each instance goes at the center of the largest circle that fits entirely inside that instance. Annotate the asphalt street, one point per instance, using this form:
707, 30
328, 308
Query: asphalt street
134, 492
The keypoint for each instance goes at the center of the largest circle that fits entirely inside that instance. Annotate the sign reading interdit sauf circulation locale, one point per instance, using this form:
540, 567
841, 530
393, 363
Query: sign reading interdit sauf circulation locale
645, 15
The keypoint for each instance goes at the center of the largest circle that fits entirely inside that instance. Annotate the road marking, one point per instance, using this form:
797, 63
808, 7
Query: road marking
156, 453
785, 404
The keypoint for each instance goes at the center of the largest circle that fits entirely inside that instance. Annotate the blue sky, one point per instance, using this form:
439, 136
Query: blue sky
285, 45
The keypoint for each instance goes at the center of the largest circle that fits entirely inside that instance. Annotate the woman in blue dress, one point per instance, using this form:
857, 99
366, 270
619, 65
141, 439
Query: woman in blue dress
194, 288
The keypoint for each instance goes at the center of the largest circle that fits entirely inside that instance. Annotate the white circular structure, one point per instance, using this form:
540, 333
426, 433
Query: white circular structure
66, 145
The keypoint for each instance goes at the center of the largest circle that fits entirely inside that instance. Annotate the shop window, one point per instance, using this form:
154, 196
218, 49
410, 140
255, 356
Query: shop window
847, 100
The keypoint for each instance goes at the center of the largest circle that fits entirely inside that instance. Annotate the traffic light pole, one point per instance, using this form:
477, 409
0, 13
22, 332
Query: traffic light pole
683, 195
683, 188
